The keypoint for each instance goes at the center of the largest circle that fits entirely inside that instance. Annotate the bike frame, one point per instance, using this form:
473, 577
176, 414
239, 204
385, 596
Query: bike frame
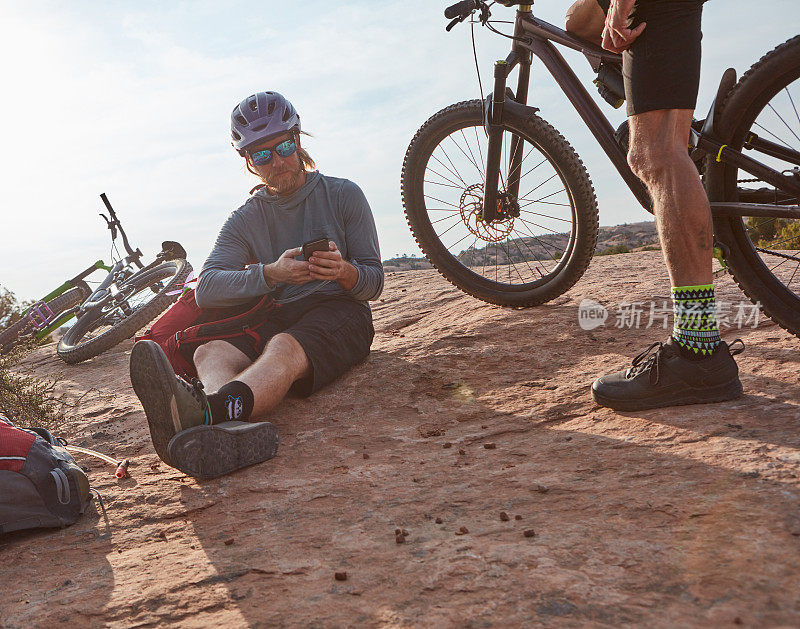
40, 315
534, 37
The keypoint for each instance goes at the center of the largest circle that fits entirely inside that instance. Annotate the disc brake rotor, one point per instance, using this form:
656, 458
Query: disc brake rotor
471, 207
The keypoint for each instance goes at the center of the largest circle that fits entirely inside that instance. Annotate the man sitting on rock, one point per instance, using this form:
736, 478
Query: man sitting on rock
322, 327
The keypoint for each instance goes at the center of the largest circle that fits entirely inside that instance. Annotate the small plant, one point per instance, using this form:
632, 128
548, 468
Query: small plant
610, 251
24, 398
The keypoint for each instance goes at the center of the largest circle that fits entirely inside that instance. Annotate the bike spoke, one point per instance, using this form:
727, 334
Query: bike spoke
555, 218
447, 168
791, 100
783, 121
763, 128
445, 185
512, 250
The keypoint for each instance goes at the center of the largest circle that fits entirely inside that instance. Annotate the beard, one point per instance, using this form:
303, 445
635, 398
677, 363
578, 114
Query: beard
285, 181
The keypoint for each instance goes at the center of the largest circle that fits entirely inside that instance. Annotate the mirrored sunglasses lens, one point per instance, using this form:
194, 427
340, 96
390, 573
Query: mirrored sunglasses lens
262, 157
284, 149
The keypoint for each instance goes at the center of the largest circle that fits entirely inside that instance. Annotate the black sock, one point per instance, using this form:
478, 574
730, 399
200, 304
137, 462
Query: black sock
234, 401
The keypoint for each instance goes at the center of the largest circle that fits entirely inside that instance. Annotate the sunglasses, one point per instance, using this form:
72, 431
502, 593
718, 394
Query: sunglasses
264, 156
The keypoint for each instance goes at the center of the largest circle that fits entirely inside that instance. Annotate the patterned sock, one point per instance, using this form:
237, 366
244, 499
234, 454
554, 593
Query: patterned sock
233, 401
696, 330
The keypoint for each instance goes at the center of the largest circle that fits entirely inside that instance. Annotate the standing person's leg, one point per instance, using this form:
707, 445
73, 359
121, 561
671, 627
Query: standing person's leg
662, 70
659, 157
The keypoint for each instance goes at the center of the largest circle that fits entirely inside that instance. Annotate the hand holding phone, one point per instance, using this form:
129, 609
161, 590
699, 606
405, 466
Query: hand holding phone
320, 244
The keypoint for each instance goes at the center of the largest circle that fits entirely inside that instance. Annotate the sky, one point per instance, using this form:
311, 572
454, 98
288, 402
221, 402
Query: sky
134, 98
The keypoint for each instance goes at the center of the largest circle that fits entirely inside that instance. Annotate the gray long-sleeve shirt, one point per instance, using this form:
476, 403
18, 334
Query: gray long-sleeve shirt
267, 225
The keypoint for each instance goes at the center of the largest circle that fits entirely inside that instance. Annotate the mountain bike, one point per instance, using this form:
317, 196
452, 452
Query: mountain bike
503, 207
45, 316
128, 298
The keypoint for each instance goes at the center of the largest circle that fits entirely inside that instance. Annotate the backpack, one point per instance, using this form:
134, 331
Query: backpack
40, 483
186, 326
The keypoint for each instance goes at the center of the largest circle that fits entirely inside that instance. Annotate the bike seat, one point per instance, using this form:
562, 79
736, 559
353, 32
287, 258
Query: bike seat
172, 250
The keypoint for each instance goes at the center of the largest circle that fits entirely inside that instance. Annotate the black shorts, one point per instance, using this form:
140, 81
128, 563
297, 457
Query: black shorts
335, 332
662, 66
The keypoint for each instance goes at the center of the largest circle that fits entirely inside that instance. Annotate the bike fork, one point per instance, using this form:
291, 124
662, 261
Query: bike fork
494, 125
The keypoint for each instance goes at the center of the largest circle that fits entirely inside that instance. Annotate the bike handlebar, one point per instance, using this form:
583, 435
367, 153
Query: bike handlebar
113, 224
460, 8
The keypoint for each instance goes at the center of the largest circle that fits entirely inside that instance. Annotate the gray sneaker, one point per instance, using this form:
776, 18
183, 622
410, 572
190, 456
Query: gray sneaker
211, 451
170, 403
665, 378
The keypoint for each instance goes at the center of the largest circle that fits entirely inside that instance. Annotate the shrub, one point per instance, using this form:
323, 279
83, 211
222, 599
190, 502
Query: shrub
610, 251
24, 398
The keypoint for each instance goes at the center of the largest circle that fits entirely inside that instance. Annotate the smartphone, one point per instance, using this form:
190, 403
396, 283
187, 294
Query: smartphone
315, 245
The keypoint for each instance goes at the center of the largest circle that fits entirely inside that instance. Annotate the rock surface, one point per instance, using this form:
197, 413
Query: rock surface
675, 517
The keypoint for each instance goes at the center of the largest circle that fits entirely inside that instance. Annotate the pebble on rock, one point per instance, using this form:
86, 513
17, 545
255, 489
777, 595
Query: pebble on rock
529, 533
438, 520
490, 446
517, 517
504, 516
462, 531
462, 451
340, 576
447, 444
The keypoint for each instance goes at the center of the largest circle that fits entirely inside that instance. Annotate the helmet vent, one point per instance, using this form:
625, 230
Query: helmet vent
270, 107
286, 114
241, 120
253, 105
235, 136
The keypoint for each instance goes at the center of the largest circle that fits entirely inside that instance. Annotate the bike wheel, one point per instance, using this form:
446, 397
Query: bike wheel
545, 242
58, 306
763, 253
144, 297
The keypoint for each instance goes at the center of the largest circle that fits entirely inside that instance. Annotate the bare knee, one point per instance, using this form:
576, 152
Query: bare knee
284, 351
219, 351
655, 164
658, 144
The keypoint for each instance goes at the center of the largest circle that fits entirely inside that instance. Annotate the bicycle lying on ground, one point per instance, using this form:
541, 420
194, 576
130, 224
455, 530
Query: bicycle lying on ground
127, 299
45, 316
502, 206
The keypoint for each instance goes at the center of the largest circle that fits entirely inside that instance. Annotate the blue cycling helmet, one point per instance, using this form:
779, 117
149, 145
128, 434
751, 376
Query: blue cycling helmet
260, 117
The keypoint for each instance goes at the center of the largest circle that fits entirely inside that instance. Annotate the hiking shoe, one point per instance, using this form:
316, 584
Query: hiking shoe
170, 403
665, 378
211, 451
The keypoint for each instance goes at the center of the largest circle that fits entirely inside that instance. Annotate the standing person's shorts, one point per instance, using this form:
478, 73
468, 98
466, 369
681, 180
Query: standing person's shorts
334, 331
662, 66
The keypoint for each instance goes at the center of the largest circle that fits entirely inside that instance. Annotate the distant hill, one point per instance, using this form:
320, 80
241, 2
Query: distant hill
610, 240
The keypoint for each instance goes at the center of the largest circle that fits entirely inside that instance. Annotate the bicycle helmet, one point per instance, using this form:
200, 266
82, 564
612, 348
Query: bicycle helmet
260, 117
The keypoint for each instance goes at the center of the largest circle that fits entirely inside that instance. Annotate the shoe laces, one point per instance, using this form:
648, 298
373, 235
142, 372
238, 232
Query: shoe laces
195, 387
648, 360
735, 351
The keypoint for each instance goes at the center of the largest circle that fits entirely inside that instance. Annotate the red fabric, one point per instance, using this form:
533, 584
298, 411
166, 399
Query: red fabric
14, 443
182, 314
186, 325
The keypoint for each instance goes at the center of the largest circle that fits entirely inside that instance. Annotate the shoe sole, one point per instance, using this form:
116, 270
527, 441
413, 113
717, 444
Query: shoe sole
709, 395
150, 377
211, 451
